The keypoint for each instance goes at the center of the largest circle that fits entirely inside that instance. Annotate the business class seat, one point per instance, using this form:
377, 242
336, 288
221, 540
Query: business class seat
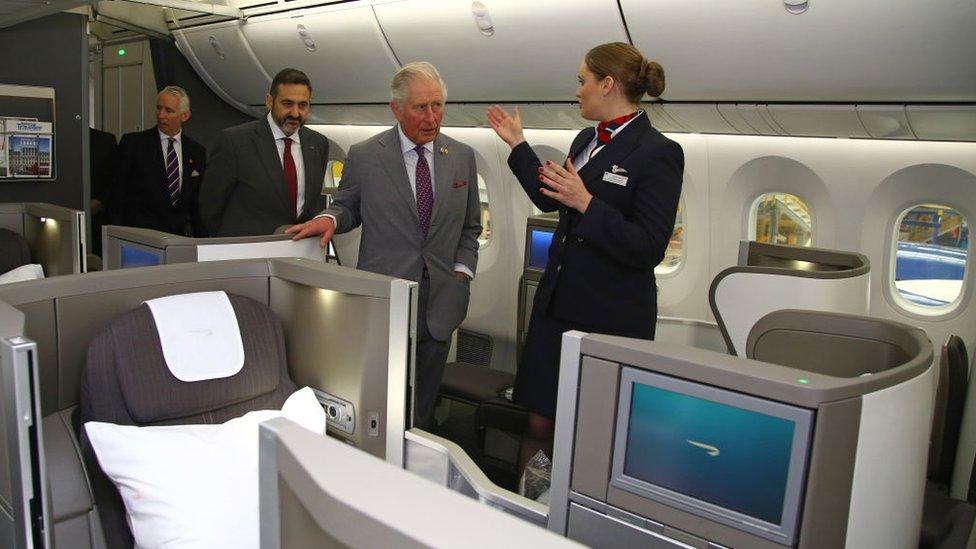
947, 523
346, 332
55, 235
770, 277
13, 251
126, 381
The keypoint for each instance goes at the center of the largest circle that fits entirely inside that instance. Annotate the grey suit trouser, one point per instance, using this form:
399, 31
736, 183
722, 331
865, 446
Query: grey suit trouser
431, 358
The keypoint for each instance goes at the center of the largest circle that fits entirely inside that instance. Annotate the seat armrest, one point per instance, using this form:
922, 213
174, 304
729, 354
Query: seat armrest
71, 493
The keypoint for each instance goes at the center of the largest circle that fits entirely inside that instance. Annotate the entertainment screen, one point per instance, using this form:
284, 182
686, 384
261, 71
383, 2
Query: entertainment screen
539, 241
137, 256
722, 455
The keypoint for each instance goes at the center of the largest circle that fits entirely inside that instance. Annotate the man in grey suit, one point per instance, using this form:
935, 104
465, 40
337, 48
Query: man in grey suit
415, 193
269, 172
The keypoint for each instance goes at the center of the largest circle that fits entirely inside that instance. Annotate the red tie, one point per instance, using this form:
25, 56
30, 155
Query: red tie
605, 129
291, 177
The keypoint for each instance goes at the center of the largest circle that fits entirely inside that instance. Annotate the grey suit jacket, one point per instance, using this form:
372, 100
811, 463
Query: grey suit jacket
375, 193
245, 194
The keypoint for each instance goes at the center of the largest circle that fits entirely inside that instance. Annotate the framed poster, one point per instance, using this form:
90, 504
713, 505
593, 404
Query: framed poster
27, 126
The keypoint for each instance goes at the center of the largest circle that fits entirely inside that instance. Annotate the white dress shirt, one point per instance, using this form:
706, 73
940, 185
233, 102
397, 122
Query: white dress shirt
296, 154
178, 148
594, 147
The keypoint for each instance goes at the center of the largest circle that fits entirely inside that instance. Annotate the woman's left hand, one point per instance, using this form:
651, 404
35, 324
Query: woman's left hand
564, 185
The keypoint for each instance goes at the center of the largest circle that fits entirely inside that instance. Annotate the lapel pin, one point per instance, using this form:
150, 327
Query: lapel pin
444, 150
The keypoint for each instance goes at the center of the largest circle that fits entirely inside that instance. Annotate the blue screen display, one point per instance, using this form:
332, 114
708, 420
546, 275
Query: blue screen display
539, 242
137, 257
727, 456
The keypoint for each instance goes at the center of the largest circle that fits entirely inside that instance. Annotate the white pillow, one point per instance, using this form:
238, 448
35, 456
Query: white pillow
22, 273
194, 486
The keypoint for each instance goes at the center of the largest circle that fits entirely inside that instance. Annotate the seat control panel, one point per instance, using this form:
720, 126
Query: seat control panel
338, 413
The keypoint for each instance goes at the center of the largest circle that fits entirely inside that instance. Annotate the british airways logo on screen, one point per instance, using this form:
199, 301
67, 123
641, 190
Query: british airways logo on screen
709, 449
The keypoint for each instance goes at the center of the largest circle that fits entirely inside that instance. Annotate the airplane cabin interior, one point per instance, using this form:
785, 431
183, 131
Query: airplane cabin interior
809, 383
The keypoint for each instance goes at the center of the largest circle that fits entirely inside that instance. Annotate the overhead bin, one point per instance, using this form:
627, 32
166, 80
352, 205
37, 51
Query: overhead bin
226, 63
885, 121
341, 49
943, 122
527, 51
704, 117
755, 50
818, 120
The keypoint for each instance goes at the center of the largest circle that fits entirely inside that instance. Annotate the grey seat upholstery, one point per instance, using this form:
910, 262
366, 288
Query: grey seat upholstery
947, 523
14, 251
126, 381
949, 406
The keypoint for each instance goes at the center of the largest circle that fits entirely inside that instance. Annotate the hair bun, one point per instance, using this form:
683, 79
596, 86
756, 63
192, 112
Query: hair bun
652, 74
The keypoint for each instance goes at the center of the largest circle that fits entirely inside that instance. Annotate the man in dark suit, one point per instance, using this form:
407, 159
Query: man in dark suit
102, 148
269, 172
414, 190
158, 172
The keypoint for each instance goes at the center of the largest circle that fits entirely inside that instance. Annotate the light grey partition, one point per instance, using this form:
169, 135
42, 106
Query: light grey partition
25, 517
348, 335
127, 247
316, 492
54, 234
843, 460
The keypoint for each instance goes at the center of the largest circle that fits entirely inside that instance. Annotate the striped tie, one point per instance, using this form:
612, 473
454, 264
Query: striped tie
172, 173
425, 191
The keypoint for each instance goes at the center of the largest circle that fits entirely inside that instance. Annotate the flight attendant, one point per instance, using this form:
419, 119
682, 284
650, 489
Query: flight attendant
617, 195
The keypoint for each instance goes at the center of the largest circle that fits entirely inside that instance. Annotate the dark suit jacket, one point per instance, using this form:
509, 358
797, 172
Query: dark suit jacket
102, 149
244, 193
601, 264
141, 193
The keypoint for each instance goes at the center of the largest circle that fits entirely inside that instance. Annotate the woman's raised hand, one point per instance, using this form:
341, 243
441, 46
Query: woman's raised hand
565, 185
507, 126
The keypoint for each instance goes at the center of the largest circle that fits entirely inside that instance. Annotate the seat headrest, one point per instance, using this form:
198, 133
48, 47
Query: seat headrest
199, 335
153, 394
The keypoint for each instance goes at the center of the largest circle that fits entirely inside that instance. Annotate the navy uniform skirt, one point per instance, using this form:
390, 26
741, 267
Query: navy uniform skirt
537, 378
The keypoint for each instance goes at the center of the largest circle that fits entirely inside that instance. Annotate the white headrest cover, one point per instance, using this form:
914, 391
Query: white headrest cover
199, 334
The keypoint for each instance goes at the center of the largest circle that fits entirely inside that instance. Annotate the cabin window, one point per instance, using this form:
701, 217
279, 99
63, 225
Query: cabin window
930, 257
782, 218
675, 253
485, 212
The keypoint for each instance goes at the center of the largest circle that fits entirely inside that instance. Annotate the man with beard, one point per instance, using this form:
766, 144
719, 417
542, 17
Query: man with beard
269, 172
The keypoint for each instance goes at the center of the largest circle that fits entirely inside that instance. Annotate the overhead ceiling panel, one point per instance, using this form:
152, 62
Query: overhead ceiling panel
341, 49
756, 50
224, 60
526, 50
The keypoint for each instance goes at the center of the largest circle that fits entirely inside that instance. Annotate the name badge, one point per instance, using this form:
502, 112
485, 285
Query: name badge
614, 178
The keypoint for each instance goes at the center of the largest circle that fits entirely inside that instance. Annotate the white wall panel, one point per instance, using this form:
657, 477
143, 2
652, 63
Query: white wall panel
680, 293
226, 63
341, 49
754, 50
533, 54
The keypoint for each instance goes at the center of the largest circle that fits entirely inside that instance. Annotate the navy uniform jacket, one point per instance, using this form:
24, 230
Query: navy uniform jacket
141, 194
601, 264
